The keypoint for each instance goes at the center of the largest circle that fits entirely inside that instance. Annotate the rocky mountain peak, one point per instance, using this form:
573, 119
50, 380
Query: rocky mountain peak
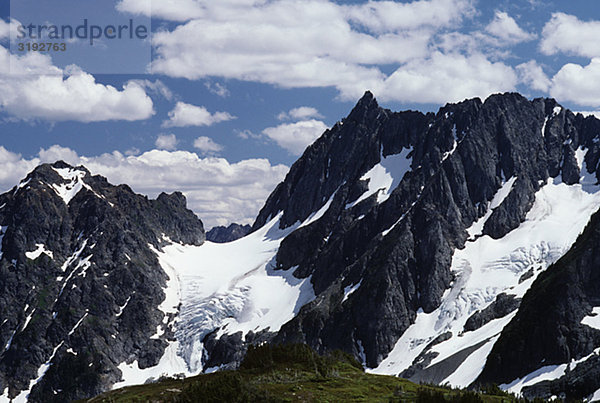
82, 289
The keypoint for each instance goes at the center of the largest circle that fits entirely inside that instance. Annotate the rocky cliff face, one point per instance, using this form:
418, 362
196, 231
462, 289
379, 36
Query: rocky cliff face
227, 234
376, 261
442, 247
550, 327
81, 286
400, 249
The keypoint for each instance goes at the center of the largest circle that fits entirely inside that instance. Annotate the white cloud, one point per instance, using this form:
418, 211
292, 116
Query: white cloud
217, 89
174, 10
302, 112
447, 78
8, 27
532, 74
386, 16
155, 87
41, 92
4, 29
295, 137
207, 146
506, 28
578, 84
184, 115
300, 43
595, 114
166, 142
569, 35
320, 43
218, 191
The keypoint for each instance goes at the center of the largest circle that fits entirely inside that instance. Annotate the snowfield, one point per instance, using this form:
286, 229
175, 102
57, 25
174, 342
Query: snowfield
228, 287
486, 267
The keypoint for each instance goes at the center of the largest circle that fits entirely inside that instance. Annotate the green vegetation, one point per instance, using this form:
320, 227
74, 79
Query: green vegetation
295, 373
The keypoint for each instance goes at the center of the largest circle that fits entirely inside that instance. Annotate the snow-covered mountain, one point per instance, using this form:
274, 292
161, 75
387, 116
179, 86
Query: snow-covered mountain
457, 247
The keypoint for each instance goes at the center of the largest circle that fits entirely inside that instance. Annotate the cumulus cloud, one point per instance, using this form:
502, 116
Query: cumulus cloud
447, 78
43, 91
295, 137
302, 112
218, 191
184, 115
578, 84
532, 74
567, 34
166, 142
207, 146
299, 43
174, 10
506, 28
386, 16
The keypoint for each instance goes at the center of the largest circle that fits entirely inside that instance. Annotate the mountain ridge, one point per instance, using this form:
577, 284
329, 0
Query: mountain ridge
412, 241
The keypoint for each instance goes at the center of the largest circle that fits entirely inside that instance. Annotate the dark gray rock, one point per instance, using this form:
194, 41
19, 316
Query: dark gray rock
93, 304
228, 234
547, 329
460, 158
502, 306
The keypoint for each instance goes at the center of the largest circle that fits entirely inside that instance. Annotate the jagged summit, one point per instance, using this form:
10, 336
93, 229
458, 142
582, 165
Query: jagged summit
436, 246
82, 290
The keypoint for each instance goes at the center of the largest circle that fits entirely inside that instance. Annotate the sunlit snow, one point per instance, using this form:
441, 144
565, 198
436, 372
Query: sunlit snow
385, 176
487, 267
228, 287
593, 320
41, 248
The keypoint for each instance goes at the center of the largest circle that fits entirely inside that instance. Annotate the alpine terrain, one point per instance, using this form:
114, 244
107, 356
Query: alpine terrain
452, 248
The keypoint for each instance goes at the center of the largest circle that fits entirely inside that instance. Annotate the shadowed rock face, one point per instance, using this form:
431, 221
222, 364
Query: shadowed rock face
90, 292
227, 234
89, 300
547, 329
460, 158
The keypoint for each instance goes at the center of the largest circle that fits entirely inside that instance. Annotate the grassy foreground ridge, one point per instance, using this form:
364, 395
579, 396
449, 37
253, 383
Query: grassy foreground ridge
295, 373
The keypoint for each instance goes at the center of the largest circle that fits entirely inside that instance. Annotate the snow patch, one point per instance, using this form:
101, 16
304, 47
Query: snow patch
74, 256
122, 308
317, 215
83, 264
21, 185
41, 248
486, 267
546, 373
593, 320
169, 365
74, 183
350, 289
24, 395
594, 397
385, 176
470, 368
477, 228
27, 320
78, 323
544, 126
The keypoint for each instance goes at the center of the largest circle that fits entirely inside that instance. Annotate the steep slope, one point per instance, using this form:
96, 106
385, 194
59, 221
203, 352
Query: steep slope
551, 347
421, 233
376, 263
81, 289
415, 242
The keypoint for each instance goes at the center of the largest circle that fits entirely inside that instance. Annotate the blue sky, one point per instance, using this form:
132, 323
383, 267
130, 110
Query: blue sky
238, 88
